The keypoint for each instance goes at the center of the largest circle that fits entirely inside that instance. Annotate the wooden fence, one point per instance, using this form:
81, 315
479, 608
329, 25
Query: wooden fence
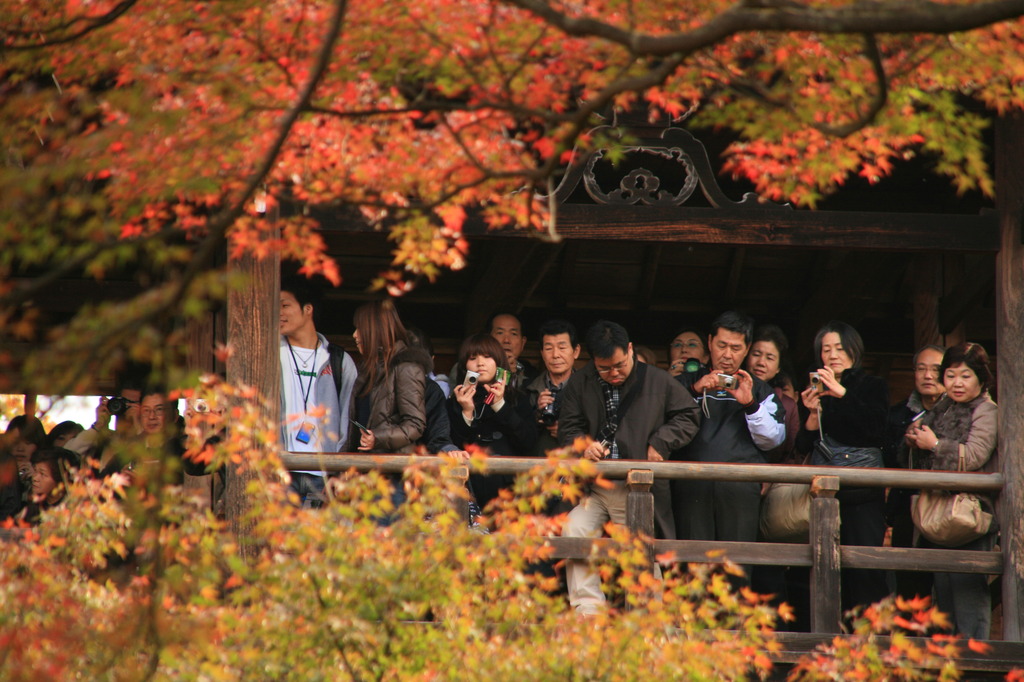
823, 553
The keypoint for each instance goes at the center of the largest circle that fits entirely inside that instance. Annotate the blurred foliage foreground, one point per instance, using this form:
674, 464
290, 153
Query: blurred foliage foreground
129, 579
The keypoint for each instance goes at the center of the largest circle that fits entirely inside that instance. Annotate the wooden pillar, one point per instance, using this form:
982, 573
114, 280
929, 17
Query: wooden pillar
640, 510
1009, 166
826, 602
253, 323
640, 506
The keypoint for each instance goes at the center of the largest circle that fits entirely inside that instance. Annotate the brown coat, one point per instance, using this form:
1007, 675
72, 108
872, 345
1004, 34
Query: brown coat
397, 407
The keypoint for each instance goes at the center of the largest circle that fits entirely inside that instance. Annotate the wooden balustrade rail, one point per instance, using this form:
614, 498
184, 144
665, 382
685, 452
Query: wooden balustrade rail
823, 553
783, 473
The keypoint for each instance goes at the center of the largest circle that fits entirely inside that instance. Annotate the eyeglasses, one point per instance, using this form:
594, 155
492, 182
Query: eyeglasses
688, 344
617, 367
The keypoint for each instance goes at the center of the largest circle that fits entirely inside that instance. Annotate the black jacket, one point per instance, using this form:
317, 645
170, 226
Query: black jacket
858, 419
511, 431
731, 433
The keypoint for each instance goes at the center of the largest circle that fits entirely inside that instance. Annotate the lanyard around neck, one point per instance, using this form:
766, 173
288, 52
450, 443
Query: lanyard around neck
312, 375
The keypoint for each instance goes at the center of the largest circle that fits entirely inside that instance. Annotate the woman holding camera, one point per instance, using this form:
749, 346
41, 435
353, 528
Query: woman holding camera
486, 412
844, 425
962, 422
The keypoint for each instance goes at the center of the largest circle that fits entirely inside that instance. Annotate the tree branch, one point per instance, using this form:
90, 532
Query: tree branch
90, 24
866, 16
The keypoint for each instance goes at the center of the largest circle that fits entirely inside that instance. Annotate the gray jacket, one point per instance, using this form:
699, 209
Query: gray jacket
335, 424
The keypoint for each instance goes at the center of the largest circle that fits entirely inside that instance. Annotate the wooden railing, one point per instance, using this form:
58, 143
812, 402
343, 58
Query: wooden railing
823, 553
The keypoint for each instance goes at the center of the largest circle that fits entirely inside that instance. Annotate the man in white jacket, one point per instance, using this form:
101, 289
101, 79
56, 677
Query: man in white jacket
315, 400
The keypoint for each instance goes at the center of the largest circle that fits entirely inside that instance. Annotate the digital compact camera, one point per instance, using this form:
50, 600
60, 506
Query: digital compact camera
727, 381
815, 381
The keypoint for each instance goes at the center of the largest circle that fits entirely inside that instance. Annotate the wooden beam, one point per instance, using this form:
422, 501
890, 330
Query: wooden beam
763, 227
759, 227
1010, 339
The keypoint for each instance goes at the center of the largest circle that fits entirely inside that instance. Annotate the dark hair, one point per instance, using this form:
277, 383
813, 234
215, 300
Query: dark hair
736, 322
380, 332
418, 337
604, 337
58, 460
483, 344
774, 334
974, 356
848, 337
302, 289
644, 352
29, 428
480, 344
490, 320
133, 376
931, 346
781, 379
68, 428
556, 327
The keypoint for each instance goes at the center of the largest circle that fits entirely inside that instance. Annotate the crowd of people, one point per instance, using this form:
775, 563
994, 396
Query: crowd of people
728, 395
36, 466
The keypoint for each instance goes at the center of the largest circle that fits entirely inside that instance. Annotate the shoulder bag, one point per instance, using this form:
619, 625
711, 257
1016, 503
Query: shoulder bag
948, 518
829, 452
786, 513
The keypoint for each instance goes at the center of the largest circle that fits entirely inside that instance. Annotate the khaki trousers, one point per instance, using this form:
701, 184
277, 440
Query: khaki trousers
587, 520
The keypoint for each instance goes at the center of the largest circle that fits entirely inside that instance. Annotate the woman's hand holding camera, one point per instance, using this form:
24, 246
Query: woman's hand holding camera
811, 398
464, 397
832, 385
497, 391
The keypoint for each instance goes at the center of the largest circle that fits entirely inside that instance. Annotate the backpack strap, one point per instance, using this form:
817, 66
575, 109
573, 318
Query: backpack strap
337, 358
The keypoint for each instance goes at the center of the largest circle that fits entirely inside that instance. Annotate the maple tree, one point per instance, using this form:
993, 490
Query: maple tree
128, 580
152, 135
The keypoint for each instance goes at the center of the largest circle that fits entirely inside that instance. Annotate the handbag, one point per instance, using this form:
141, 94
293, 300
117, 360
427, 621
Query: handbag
828, 452
947, 518
786, 513
831, 453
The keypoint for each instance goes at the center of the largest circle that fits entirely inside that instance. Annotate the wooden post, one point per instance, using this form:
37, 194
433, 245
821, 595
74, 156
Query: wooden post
253, 322
460, 475
1009, 168
826, 603
640, 505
